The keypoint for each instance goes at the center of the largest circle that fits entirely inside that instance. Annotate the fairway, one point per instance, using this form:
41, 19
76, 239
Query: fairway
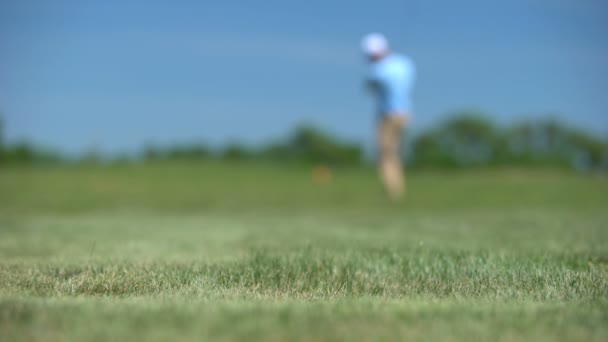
247, 251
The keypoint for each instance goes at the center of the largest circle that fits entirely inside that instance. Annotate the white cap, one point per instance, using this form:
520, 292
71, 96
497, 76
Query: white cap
374, 44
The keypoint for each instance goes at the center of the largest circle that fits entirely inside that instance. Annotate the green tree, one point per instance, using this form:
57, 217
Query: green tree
312, 145
472, 140
467, 139
236, 152
188, 152
553, 143
2, 148
1, 133
1, 137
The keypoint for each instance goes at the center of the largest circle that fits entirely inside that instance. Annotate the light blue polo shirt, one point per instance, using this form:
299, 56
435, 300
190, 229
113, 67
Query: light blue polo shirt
392, 79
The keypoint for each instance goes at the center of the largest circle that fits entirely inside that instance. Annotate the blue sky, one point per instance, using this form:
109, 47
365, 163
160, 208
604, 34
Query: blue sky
115, 75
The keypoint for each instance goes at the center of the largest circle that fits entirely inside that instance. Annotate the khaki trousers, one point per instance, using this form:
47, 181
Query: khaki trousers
390, 129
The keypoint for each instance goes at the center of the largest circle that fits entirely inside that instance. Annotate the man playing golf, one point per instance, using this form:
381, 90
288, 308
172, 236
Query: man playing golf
390, 77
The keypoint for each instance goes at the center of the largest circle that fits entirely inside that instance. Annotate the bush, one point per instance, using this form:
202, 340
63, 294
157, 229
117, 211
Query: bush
237, 152
25, 153
311, 145
472, 140
177, 152
465, 140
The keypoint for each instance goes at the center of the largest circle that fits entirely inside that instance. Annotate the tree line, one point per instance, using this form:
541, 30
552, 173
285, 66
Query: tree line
463, 140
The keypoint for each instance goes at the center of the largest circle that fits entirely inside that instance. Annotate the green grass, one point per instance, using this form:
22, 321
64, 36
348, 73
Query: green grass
259, 252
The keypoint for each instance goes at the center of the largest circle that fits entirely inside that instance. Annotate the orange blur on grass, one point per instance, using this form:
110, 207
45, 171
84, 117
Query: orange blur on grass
321, 174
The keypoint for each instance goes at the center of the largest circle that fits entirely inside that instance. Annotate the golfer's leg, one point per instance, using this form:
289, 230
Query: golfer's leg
397, 129
395, 179
389, 161
395, 170
384, 162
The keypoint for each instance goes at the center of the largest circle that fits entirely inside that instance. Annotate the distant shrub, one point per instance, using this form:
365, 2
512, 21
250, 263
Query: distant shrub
177, 152
25, 153
237, 152
465, 140
468, 140
310, 145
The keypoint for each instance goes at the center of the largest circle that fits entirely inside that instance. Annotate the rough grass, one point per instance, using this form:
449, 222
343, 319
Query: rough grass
311, 275
234, 252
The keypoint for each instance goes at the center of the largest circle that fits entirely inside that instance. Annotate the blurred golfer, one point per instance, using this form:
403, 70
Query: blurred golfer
390, 78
